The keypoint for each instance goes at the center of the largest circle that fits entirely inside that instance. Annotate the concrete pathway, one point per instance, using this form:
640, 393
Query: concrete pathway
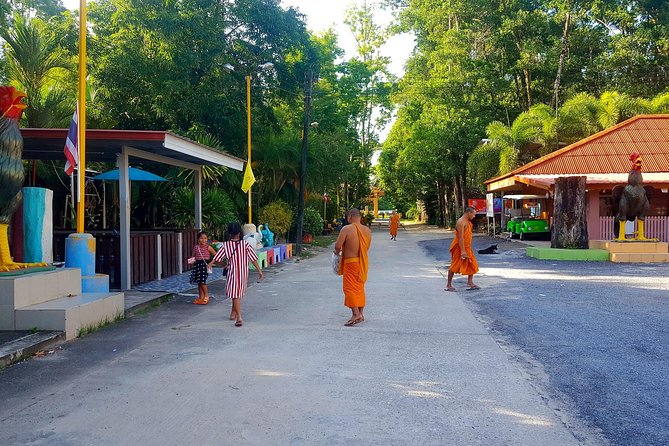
421, 370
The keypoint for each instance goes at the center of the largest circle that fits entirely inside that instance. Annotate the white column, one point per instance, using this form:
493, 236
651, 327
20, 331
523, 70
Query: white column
198, 199
181, 249
124, 205
159, 255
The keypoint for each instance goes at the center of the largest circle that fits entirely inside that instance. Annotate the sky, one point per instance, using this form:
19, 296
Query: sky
324, 14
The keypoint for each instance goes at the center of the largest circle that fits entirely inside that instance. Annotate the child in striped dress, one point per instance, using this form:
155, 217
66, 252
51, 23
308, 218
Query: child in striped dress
239, 254
201, 253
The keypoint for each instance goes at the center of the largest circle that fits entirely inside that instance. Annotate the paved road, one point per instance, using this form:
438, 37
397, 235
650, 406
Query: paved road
421, 370
599, 330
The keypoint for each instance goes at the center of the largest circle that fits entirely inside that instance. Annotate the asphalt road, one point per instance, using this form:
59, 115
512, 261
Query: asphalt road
599, 331
420, 370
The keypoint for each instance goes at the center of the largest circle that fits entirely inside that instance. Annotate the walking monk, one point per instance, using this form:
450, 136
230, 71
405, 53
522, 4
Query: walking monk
394, 225
462, 254
354, 241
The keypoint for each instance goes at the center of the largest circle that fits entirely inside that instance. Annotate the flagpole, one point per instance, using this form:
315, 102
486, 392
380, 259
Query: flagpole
248, 116
82, 117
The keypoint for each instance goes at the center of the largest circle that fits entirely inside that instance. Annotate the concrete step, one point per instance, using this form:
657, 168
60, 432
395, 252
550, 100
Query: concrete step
631, 247
28, 345
30, 289
633, 257
71, 314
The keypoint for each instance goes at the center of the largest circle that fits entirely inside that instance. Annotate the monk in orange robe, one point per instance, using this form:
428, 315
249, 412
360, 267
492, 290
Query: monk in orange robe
462, 254
394, 225
353, 243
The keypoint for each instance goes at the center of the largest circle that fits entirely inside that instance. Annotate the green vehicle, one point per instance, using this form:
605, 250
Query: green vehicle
523, 226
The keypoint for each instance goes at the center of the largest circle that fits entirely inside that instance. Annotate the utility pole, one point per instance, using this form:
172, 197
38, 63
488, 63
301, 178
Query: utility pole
308, 81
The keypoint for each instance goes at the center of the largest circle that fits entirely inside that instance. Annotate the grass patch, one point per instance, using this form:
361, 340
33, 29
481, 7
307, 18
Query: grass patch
153, 305
88, 329
323, 241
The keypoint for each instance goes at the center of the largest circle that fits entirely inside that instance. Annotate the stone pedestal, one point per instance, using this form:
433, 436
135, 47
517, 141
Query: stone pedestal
634, 251
80, 253
37, 225
54, 300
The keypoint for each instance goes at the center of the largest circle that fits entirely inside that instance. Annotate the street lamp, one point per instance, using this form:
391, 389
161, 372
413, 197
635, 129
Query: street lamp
262, 67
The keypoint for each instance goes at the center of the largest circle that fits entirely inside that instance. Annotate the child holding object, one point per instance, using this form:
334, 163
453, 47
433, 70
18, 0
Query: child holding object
202, 252
239, 254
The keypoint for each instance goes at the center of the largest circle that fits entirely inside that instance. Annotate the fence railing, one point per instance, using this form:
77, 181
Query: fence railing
656, 227
153, 254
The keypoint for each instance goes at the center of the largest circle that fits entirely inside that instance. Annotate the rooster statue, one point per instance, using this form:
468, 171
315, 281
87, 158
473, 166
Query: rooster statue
11, 169
632, 200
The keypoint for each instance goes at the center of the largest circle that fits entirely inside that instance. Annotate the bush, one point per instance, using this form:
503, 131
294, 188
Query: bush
278, 216
367, 218
218, 210
413, 213
313, 222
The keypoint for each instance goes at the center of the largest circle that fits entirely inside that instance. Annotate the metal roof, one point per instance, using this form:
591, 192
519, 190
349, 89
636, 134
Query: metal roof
607, 152
104, 145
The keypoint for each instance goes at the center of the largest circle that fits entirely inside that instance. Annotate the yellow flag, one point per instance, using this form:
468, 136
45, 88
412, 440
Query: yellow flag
249, 178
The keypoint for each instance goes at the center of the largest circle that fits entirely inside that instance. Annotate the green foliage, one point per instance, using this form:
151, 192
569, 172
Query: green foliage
36, 62
217, 211
278, 215
313, 221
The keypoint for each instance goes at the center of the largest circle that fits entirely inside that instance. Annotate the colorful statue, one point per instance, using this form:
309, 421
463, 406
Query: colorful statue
11, 170
633, 200
267, 236
252, 235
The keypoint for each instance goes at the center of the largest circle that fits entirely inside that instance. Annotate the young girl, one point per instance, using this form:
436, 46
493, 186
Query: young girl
239, 253
201, 253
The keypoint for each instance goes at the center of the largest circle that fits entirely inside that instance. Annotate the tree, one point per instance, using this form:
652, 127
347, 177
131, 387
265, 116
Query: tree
36, 63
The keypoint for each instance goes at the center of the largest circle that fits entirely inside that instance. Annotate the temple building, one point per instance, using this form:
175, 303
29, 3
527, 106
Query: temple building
603, 159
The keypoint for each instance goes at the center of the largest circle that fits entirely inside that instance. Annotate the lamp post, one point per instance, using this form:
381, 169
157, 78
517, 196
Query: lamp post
265, 66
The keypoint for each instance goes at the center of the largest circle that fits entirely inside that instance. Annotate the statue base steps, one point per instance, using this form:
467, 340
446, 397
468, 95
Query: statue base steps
634, 251
54, 300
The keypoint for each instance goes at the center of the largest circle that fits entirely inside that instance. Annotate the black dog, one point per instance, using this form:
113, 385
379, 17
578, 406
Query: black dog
492, 249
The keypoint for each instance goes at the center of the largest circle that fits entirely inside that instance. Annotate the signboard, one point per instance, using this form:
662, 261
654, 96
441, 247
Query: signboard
478, 203
489, 205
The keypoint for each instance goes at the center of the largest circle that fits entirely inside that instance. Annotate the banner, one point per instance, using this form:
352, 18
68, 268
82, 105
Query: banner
249, 178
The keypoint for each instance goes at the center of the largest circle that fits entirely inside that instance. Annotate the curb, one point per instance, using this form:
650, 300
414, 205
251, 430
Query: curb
150, 303
14, 351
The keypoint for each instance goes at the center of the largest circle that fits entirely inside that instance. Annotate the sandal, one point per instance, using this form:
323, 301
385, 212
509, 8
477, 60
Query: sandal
239, 323
199, 301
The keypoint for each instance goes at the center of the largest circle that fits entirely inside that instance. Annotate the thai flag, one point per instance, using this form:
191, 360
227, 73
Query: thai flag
72, 145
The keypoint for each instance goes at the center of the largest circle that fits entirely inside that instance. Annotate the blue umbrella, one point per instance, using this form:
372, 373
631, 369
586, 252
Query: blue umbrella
134, 174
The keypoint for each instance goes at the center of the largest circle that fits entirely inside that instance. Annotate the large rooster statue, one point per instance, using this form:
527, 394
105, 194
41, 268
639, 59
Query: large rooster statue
11, 169
633, 200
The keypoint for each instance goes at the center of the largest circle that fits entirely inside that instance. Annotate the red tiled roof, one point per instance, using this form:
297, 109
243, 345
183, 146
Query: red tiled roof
608, 151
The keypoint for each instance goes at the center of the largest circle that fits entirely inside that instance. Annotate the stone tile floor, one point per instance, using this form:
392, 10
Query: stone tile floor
176, 284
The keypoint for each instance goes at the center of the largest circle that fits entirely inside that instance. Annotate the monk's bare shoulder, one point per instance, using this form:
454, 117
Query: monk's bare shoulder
367, 231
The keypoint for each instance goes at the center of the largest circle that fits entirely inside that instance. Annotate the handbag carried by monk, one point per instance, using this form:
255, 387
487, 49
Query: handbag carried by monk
335, 260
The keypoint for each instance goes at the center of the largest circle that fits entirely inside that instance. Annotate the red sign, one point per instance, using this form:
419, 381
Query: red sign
479, 204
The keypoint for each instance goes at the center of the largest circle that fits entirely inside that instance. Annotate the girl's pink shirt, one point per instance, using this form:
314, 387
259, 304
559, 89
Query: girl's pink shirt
201, 252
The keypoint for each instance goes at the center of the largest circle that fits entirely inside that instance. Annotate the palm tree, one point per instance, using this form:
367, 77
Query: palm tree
35, 62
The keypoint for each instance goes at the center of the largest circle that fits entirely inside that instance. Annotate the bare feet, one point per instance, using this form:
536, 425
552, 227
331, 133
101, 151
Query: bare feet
449, 288
233, 316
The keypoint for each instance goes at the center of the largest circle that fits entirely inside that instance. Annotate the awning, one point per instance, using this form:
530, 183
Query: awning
105, 145
523, 197
546, 181
118, 146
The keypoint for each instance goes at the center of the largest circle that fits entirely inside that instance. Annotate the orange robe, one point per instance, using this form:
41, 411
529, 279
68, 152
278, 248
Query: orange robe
354, 270
466, 266
394, 224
